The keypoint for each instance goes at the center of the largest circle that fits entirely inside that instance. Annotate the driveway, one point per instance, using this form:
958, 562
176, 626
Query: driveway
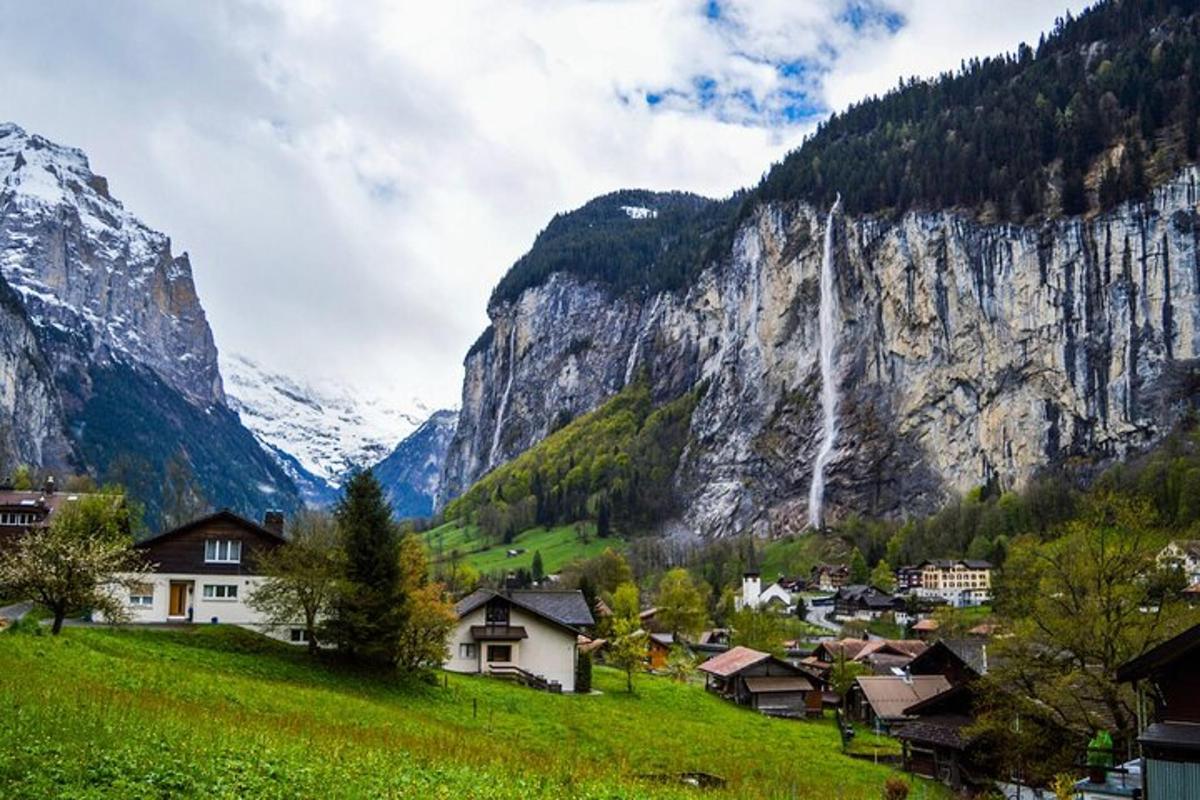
15, 611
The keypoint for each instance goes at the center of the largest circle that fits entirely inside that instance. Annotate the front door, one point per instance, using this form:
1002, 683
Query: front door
178, 605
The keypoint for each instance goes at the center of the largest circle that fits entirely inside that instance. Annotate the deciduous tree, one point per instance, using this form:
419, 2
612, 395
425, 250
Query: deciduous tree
680, 603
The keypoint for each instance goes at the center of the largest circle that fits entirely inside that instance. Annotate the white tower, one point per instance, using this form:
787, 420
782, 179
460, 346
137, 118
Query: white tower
751, 589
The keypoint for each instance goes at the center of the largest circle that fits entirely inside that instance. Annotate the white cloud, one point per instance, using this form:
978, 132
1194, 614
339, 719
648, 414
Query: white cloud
351, 179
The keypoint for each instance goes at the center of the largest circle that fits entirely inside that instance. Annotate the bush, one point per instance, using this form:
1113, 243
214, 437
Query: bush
895, 788
583, 673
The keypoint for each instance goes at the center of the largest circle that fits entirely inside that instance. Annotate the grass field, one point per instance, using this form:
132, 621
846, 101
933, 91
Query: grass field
792, 556
559, 546
220, 712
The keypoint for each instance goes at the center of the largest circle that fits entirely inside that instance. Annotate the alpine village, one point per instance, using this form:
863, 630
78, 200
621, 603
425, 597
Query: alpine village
879, 478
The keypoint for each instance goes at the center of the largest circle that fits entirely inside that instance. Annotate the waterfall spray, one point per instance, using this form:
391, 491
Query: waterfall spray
503, 407
827, 320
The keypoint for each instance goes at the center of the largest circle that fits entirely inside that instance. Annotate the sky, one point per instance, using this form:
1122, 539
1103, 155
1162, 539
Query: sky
351, 179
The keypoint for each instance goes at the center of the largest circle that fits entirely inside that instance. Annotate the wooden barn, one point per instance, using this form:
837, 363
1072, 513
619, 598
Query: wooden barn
763, 682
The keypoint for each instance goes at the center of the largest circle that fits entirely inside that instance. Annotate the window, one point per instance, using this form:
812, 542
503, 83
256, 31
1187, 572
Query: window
499, 652
14, 518
220, 591
299, 635
497, 613
142, 595
466, 650
222, 551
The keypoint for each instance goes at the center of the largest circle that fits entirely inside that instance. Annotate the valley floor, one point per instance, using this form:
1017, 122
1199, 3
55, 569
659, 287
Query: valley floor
220, 712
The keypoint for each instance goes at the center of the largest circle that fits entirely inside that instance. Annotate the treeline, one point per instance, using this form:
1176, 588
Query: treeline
985, 522
614, 465
601, 242
1104, 105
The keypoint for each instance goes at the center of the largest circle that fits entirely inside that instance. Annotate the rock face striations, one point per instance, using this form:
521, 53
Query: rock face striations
967, 353
125, 377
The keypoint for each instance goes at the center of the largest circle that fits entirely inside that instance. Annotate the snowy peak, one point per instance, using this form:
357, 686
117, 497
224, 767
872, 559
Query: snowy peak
325, 430
86, 267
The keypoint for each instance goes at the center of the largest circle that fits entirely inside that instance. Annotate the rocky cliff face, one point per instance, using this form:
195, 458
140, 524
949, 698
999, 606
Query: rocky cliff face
112, 363
967, 353
411, 473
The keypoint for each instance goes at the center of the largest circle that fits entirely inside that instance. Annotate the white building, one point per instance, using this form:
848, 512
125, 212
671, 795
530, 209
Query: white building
530, 636
1184, 554
754, 596
204, 571
962, 582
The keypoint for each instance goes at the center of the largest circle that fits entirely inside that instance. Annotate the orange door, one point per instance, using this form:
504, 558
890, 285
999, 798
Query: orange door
178, 607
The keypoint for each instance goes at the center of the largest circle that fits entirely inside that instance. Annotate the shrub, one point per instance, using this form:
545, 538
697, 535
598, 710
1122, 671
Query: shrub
895, 788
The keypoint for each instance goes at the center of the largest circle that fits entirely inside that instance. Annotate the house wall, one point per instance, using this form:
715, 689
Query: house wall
184, 552
549, 651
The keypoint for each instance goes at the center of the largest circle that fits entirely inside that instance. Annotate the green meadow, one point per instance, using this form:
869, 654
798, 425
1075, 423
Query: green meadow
220, 712
559, 546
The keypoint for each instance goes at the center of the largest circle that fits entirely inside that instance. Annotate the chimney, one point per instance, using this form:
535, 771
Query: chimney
48, 485
510, 583
273, 521
751, 589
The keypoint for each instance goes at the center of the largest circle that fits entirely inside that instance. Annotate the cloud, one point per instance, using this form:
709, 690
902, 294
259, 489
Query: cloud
351, 179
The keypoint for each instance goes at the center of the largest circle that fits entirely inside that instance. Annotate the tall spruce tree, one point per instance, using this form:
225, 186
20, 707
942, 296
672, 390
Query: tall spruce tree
367, 616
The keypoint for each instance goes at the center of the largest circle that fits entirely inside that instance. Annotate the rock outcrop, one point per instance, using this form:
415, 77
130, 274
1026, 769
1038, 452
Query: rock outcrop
968, 353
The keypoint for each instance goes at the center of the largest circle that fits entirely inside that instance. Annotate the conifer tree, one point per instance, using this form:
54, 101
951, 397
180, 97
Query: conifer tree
367, 616
536, 569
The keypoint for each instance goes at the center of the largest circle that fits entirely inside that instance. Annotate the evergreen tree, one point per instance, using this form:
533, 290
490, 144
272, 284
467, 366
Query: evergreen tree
536, 569
859, 573
367, 615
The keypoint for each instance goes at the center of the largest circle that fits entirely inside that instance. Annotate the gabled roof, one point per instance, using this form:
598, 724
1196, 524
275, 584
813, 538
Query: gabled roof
968, 658
566, 607
890, 697
224, 514
733, 661
951, 563
1166, 654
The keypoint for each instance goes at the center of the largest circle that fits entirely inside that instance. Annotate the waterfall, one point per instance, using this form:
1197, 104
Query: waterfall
636, 350
503, 407
827, 320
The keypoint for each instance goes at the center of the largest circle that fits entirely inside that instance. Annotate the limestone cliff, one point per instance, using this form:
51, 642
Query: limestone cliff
967, 353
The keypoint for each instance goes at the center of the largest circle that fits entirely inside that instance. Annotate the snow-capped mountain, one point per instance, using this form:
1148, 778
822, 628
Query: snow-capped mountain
318, 433
107, 362
412, 473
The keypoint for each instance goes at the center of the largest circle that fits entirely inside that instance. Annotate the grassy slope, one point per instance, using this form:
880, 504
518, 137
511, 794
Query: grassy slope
792, 556
218, 712
559, 546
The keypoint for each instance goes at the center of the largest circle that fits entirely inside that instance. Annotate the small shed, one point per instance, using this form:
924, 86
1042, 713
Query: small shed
763, 682
658, 650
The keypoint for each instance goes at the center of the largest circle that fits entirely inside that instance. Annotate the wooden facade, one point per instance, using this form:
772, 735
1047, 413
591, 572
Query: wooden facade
182, 550
763, 682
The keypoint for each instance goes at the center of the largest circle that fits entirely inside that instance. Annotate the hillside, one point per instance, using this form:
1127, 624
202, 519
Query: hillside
986, 323
455, 542
104, 713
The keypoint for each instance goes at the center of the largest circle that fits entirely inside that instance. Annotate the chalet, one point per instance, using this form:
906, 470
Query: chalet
658, 650
886, 699
828, 577
907, 579
883, 656
935, 741
1167, 683
962, 582
926, 629
863, 602
763, 682
22, 511
530, 636
775, 596
960, 661
204, 570
1182, 554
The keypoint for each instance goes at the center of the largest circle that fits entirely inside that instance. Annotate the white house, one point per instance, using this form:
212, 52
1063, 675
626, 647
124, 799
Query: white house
754, 596
204, 571
531, 636
1184, 554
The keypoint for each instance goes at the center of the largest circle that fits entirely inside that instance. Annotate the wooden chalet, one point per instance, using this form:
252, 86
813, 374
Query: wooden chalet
886, 699
863, 602
883, 656
959, 662
24, 510
1167, 681
658, 650
934, 740
763, 682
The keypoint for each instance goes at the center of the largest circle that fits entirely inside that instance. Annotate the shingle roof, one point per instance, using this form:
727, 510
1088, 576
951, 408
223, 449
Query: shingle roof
891, 696
944, 730
1156, 658
566, 607
732, 661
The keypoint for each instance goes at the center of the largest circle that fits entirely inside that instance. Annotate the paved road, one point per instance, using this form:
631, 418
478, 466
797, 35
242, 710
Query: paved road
819, 615
15, 611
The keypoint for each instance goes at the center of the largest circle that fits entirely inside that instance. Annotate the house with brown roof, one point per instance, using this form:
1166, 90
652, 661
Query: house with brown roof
761, 681
204, 571
883, 656
529, 636
935, 740
829, 577
886, 699
25, 510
